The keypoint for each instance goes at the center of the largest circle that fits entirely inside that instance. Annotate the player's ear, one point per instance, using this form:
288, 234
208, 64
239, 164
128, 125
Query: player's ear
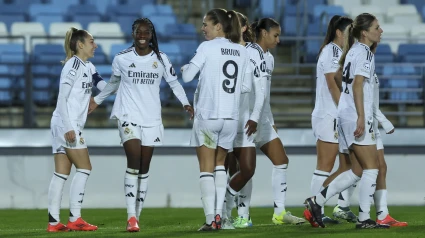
218, 27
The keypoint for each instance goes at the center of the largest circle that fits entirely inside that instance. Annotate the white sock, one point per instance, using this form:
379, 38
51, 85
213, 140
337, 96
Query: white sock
76, 195
380, 198
206, 182
55, 197
142, 191
130, 191
279, 187
340, 183
229, 203
220, 179
367, 187
344, 196
244, 200
317, 181
230, 198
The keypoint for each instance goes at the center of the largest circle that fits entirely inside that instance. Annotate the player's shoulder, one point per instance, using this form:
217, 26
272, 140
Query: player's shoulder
125, 52
74, 63
360, 49
255, 51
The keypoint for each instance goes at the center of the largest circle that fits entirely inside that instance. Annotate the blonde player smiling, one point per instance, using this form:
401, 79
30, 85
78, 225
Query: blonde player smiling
67, 124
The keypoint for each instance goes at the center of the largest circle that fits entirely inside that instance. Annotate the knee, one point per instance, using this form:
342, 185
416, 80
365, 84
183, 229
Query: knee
248, 173
382, 167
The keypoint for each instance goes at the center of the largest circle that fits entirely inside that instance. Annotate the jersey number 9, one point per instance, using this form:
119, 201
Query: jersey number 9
234, 76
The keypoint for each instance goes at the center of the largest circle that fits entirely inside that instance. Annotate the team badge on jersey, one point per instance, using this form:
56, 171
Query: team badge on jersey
127, 131
155, 65
81, 140
72, 73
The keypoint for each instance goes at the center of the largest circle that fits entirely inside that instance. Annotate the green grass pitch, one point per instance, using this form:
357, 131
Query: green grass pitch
183, 222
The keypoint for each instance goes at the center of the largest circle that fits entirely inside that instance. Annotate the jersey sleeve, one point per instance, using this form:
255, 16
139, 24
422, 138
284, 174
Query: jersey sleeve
69, 74
200, 57
259, 85
170, 73
330, 63
363, 64
97, 79
116, 69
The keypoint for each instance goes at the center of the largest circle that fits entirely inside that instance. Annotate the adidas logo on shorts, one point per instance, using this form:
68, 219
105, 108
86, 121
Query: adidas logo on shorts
157, 140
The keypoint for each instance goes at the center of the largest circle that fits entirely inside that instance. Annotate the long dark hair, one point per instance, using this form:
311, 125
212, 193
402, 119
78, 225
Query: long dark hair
354, 31
228, 20
248, 35
153, 43
331, 31
264, 23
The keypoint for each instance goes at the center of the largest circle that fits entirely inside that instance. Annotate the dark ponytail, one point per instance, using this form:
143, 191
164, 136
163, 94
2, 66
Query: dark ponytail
336, 23
247, 35
263, 24
229, 22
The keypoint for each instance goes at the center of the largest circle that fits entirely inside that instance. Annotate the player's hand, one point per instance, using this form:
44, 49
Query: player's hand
360, 127
392, 131
92, 105
70, 136
251, 127
183, 68
275, 128
190, 110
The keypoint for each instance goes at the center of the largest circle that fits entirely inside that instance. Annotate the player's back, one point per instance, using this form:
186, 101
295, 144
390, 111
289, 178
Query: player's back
223, 65
328, 62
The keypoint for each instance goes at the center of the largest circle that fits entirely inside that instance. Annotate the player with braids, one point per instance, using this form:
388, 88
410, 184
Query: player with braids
67, 124
137, 109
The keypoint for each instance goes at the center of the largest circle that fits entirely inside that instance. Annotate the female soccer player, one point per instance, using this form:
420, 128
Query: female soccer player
380, 196
261, 121
324, 117
69, 117
137, 108
217, 104
355, 112
243, 145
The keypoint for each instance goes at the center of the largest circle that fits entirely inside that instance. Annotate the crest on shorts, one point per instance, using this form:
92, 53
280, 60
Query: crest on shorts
373, 136
81, 140
155, 65
336, 135
127, 131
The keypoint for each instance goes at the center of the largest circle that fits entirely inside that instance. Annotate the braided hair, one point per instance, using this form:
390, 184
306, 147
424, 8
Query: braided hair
153, 43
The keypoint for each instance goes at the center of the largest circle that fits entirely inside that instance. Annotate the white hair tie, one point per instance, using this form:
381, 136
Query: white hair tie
230, 16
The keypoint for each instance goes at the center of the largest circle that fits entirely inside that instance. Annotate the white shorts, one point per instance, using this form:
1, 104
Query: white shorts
265, 133
346, 131
148, 136
58, 136
379, 144
213, 133
325, 129
242, 140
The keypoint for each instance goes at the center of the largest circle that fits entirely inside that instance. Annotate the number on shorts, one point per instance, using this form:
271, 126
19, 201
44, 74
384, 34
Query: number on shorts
346, 77
371, 126
124, 124
234, 76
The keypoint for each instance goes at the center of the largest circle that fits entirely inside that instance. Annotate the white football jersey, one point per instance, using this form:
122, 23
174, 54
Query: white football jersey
359, 61
328, 62
78, 74
138, 99
223, 65
263, 68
